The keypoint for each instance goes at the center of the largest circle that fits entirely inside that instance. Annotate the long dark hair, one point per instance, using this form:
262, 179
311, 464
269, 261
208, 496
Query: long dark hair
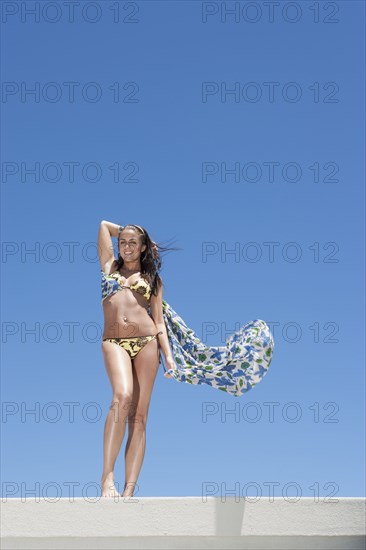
151, 260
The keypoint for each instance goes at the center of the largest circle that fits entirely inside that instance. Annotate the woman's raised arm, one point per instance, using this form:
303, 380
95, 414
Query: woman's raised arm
107, 230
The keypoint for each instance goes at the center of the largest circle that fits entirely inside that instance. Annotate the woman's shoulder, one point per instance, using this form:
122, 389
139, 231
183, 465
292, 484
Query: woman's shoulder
159, 282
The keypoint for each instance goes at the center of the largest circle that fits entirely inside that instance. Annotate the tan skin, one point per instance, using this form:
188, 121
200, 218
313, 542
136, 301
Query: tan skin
132, 380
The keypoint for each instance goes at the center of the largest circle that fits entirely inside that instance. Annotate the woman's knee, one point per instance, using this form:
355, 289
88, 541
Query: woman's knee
123, 400
137, 420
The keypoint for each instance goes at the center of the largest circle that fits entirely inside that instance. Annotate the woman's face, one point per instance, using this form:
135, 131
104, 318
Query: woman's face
129, 245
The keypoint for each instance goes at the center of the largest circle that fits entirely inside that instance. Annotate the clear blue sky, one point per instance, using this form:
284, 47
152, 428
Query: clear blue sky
160, 142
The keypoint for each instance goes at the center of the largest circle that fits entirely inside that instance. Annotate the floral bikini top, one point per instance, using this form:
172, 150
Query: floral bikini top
113, 283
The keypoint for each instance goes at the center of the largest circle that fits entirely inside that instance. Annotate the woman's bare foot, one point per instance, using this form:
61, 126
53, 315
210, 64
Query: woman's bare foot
108, 487
128, 490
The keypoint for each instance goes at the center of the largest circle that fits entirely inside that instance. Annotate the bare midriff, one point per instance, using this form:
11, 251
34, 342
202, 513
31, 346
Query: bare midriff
131, 305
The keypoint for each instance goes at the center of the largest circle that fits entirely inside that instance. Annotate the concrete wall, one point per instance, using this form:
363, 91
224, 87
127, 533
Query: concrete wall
183, 522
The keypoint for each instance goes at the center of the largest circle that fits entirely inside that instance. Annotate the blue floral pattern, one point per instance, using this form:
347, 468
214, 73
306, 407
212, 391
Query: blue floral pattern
234, 368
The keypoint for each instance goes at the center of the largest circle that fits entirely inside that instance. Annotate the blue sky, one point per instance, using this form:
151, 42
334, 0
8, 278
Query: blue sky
149, 134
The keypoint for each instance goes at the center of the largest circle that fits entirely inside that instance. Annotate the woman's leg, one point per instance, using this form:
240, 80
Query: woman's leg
146, 364
119, 370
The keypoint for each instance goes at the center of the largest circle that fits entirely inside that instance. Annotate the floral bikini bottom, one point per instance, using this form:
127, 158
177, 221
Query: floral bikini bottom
132, 345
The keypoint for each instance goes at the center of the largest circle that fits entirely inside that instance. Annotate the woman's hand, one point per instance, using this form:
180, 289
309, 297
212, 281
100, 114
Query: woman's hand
170, 365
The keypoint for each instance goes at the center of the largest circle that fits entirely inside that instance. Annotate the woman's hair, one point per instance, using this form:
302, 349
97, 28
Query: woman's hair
151, 261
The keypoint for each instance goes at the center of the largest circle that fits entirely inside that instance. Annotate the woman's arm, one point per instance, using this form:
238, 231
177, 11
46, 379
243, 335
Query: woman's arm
105, 245
156, 305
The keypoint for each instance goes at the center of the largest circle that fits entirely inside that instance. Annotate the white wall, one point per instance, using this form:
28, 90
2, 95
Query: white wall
183, 522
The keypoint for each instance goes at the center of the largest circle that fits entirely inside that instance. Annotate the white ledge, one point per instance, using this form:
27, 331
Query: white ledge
183, 522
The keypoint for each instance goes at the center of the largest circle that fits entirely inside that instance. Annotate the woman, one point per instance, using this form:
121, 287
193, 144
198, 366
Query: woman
137, 323
133, 330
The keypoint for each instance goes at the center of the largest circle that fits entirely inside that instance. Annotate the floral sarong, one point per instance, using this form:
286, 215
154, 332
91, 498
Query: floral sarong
234, 368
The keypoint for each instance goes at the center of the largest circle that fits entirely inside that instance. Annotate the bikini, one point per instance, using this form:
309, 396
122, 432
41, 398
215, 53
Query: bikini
112, 284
